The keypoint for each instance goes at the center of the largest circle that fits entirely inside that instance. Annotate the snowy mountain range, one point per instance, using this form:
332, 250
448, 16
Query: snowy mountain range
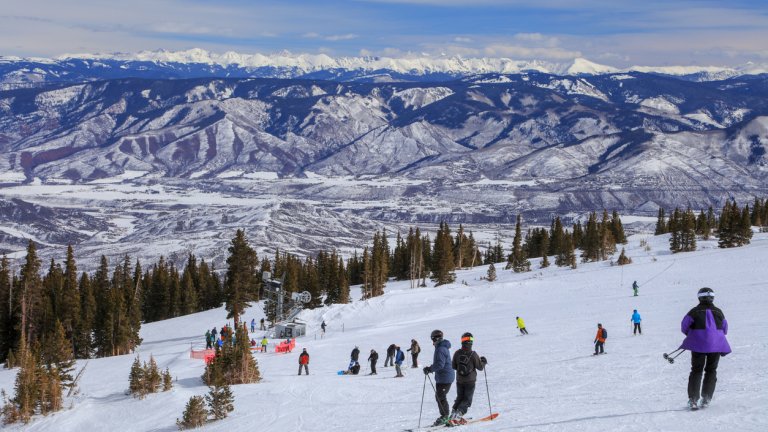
197, 63
181, 163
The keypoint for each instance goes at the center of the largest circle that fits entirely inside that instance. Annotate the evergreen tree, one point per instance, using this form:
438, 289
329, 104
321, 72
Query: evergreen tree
623, 258
57, 355
544, 249
617, 229
83, 340
152, 377
442, 256
136, 380
195, 414
167, 380
8, 335
517, 260
31, 299
661, 224
491, 272
241, 284
591, 250
220, 401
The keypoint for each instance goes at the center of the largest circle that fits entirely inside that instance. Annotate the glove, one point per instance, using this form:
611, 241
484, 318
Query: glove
483, 360
427, 370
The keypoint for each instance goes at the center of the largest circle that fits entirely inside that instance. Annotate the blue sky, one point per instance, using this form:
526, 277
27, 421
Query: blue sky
618, 32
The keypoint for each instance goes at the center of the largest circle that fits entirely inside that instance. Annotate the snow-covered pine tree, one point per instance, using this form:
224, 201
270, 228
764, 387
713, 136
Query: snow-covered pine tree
136, 379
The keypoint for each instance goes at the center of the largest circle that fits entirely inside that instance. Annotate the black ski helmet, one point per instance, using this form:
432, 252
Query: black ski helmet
706, 295
437, 335
467, 338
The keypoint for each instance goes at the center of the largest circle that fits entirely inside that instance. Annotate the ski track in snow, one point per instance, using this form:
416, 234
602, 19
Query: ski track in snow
546, 381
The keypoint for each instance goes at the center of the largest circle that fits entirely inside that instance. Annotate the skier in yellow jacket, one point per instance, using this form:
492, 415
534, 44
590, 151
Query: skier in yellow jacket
521, 325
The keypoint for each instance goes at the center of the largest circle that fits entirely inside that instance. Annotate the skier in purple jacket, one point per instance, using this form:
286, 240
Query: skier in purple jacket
705, 328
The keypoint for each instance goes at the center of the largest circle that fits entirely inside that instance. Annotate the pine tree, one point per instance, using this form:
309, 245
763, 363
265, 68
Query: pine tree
7, 321
491, 273
69, 312
544, 249
623, 258
195, 414
136, 380
517, 260
152, 377
57, 355
167, 380
442, 256
241, 284
220, 401
591, 240
31, 300
83, 339
617, 229
661, 225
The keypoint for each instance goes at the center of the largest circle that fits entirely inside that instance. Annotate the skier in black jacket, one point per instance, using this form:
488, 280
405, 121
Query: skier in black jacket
390, 360
373, 358
355, 354
466, 363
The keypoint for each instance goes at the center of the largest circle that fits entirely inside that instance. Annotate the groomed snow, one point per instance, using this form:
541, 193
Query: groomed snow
547, 381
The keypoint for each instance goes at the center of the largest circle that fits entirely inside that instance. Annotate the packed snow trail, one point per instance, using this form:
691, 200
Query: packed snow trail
545, 381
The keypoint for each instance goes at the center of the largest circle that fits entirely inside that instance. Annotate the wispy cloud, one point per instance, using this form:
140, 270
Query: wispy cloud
648, 31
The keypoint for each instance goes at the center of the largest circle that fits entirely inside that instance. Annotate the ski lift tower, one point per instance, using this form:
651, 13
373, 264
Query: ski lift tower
287, 306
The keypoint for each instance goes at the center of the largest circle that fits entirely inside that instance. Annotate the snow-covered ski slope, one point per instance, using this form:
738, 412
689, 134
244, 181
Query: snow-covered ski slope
546, 381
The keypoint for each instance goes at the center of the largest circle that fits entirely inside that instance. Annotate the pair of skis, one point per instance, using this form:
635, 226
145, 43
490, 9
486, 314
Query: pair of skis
469, 421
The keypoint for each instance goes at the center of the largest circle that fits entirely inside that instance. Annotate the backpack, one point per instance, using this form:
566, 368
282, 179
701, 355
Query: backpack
464, 365
605, 334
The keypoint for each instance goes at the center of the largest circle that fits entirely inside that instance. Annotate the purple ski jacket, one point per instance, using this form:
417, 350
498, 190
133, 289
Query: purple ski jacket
705, 328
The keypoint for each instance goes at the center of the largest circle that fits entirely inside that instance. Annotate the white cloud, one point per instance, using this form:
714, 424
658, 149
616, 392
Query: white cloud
348, 36
460, 39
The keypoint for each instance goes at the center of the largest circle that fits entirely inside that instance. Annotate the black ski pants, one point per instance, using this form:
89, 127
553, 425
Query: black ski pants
523, 330
373, 367
599, 346
703, 364
306, 369
415, 358
637, 329
464, 394
441, 395
390, 360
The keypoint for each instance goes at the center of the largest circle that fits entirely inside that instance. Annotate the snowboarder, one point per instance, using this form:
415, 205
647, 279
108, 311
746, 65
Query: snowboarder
415, 349
208, 343
264, 343
373, 358
389, 361
444, 375
635, 286
253, 325
636, 321
261, 325
705, 328
600, 337
304, 361
466, 363
322, 326
521, 326
399, 359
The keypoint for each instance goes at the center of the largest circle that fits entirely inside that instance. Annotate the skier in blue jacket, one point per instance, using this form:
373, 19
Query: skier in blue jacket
444, 374
636, 321
399, 359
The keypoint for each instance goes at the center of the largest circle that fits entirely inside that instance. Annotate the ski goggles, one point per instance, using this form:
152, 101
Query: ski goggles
469, 339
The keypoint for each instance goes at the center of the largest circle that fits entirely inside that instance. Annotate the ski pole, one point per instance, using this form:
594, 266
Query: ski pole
488, 392
430, 382
423, 389
671, 358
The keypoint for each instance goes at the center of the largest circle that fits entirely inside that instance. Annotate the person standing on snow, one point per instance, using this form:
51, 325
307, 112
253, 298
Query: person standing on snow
444, 375
399, 359
208, 342
635, 286
264, 343
521, 326
261, 325
253, 325
322, 326
373, 358
304, 361
600, 337
390, 356
705, 328
466, 363
415, 349
636, 321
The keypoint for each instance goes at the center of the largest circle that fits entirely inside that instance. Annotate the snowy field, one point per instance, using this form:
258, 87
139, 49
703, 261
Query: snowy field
547, 381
